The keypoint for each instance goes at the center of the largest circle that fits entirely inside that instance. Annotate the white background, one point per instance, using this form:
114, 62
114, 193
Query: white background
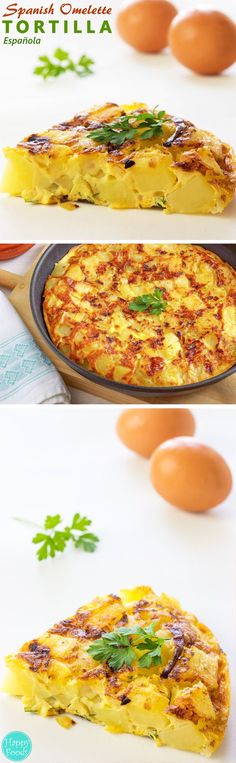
122, 75
65, 461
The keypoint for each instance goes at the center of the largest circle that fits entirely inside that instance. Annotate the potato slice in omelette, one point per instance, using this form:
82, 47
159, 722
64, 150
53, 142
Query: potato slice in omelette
179, 168
183, 701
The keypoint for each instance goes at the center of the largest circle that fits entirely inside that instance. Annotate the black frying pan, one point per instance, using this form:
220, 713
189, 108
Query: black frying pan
43, 269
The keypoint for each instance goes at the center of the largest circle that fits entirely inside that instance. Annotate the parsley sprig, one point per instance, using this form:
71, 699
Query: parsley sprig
153, 302
61, 63
143, 126
54, 540
119, 647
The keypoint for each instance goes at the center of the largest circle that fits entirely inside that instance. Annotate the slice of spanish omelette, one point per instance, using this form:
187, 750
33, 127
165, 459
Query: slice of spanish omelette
176, 167
181, 700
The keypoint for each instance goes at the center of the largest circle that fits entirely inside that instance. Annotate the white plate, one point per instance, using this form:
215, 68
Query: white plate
65, 461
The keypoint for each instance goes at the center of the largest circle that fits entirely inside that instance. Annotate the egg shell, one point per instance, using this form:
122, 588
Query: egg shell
144, 24
190, 475
203, 40
143, 429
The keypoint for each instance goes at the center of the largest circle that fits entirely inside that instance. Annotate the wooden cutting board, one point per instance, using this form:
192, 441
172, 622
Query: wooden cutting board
223, 392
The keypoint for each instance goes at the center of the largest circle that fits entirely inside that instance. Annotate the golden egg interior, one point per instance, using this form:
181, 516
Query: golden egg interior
182, 702
86, 306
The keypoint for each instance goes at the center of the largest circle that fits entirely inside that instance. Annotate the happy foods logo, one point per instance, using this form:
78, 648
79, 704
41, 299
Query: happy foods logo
20, 20
16, 745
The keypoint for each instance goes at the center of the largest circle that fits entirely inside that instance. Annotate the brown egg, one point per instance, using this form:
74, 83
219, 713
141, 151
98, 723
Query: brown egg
203, 40
143, 429
190, 475
144, 24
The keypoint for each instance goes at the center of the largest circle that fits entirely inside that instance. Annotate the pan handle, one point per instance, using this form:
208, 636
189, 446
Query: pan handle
9, 280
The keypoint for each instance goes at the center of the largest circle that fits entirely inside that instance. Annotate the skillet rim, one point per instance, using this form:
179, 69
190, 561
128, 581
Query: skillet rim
131, 389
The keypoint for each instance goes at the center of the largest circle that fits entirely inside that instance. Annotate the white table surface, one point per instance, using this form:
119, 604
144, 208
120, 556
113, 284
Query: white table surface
122, 75
62, 461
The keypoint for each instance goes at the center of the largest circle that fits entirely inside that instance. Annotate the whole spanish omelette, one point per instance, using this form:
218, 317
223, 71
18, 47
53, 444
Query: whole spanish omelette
144, 314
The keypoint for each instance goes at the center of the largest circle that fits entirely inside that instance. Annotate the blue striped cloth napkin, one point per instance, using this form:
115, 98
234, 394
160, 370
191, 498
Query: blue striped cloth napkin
26, 374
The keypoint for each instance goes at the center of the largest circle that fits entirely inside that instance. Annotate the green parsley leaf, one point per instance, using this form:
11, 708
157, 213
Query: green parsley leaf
87, 541
46, 549
153, 302
146, 660
52, 521
153, 734
113, 648
151, 657
61, 63
142, 126
161, 203
61, 55
119, 647
121, 657
39, 538
54, 540
60, 541
80, 523
43, 552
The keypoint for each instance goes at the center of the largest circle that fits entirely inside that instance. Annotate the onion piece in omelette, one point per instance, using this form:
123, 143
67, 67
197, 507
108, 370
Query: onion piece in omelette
87, 307
183, 701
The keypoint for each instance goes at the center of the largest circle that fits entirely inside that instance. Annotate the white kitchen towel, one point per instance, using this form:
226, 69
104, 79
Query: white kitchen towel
26, 374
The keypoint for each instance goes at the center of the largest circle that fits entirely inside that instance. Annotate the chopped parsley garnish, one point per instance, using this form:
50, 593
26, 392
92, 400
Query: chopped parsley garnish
142, 126
161, 203
153, 302
61, 63
54, 540
119, 647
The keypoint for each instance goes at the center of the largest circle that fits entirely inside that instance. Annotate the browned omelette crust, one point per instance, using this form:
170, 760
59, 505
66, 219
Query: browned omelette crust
86, 307
193, 656
178, 134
